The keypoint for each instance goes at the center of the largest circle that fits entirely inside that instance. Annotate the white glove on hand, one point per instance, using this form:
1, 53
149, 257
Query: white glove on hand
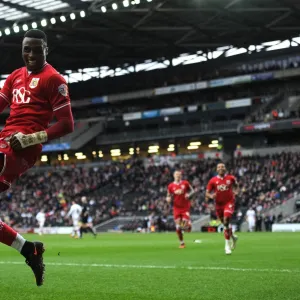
20, 140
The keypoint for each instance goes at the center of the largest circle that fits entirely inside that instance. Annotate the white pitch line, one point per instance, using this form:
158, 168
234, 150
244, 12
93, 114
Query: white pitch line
116, 266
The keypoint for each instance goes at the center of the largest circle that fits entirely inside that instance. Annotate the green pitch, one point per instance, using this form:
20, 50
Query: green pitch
150, 266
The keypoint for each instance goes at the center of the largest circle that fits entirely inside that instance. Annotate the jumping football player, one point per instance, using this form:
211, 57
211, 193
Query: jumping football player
35, 93
223, 188
182, 193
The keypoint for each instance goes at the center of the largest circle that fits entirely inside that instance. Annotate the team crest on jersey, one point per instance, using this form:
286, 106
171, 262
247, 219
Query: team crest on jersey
182, 186
63, 89
227, 181
34, 83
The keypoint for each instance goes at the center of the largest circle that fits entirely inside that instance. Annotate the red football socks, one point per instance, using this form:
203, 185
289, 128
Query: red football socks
7, 234
227, 234
10, 237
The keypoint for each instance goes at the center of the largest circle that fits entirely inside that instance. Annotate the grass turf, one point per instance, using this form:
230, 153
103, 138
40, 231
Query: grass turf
150, 266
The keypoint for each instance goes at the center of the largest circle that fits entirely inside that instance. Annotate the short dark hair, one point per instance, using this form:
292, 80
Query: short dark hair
221, 163
36, 34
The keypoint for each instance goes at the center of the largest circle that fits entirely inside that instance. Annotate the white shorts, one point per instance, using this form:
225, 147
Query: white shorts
42, 223
251, 223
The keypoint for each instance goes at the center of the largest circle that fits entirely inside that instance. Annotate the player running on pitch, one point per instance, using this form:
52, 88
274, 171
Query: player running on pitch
35, 93
182, 193
41, 218
223, 188
85, 215
75, 212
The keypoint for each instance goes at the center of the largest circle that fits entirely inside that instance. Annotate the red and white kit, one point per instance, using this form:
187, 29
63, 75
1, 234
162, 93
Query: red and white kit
225, 199
34, 98
181, 204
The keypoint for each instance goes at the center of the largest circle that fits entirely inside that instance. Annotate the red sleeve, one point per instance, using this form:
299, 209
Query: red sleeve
233, 179
210, 185
3, 103
64, 124
169, 189
188, 185
6, 91
58, 92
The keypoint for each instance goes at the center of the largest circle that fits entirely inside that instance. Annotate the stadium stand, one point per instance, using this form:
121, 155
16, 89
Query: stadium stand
130, 188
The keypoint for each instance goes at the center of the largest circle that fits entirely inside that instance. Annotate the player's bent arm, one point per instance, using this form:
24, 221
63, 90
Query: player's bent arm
191, 192
236, 189
70, 211
168, 197
63, 126
3, 103
209, 196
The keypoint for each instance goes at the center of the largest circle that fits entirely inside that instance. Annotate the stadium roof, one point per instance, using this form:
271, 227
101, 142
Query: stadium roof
114, 33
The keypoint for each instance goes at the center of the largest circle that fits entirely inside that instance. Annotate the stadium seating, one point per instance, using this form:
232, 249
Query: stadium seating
130, 188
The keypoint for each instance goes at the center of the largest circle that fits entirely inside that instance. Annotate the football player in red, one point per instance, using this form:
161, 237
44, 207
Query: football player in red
34, 93
182, 193
223, 188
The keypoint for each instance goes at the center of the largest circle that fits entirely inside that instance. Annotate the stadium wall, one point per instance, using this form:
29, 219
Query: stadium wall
286, 228
266, 151
54, 230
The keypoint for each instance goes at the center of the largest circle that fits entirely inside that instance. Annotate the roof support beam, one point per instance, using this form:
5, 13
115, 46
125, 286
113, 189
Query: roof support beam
31, 11
280, 18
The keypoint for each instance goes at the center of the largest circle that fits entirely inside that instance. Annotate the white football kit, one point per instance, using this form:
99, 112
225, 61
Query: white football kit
75, 212
251, 219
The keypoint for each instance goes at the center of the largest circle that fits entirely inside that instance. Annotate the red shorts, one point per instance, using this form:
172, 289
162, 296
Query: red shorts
14, 164
225, 210
181, 214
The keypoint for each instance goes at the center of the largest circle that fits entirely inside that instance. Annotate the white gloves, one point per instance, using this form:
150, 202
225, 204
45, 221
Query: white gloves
20, 140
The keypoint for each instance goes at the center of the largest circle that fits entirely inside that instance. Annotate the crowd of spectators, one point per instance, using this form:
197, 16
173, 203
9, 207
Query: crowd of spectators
295, 219
131, 188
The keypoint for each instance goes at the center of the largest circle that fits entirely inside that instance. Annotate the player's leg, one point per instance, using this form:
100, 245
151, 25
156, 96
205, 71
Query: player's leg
149, 227
91, 230
41, 231
228, 212
227, 234
178, 220
40, 228
179, 232
77, 229
225, 221
11, 166
186, 223
73, 232
251, 225
32, 251
81, 230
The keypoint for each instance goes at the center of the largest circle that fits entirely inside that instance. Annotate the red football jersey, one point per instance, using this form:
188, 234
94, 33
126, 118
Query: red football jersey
223, 188
180, 200
33, 97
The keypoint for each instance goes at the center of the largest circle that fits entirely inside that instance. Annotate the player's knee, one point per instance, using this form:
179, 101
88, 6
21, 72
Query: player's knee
226, 222
3, 186
189, 228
